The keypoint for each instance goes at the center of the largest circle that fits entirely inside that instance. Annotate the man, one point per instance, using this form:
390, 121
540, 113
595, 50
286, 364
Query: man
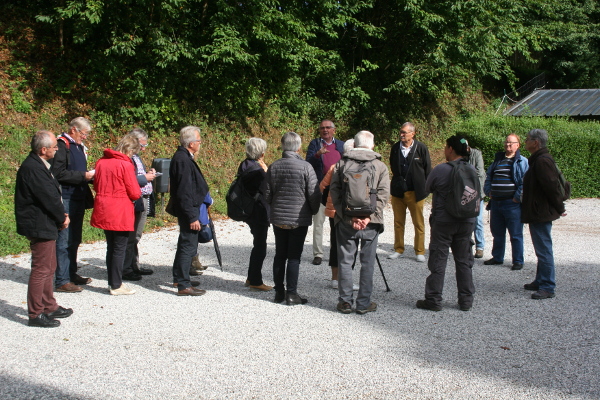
40, 214
542, 204
131, 266
411, 166
352, 229
447, 231
293, 193
503, 185
188, 190
322, 153
69, 167
476, 160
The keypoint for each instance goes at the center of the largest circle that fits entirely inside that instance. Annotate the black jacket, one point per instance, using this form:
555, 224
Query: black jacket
188, 187
255, 182
419, 170
39, 210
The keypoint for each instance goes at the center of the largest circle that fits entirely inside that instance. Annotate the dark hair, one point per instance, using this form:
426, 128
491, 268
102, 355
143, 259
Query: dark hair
459, 144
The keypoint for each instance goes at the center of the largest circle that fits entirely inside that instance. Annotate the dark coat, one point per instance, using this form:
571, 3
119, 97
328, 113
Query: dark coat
255, 182
542, 201
70, 179
39, 210
317, 163
188, 187
419, 170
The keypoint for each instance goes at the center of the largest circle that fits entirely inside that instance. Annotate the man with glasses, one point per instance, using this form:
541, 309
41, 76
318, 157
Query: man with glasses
411, 165
69, 167
503, 185
322, 153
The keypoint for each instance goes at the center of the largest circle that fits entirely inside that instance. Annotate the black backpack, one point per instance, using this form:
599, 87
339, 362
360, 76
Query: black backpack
358, 188
463, 199
239, 203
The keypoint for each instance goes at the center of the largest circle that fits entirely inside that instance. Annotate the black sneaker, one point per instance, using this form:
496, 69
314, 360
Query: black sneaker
372, 307
428, 305
43, 321
61, 312
517, 266
492, 261
531, 286
344, 307
132, 276
542, 294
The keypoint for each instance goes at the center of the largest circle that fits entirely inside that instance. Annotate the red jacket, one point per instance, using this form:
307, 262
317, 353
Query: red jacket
116, 188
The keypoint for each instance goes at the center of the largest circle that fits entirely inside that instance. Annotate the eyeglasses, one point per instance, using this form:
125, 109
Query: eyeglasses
405, 132
325, 127
511, 143
143, 145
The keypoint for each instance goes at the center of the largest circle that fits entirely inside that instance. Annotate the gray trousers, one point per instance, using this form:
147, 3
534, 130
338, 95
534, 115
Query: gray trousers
456, 235
132, 258
347, 244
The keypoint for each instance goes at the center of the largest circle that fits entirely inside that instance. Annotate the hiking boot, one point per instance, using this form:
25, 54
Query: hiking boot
479, 253
372, 307
542, 294
428, 305
344, 307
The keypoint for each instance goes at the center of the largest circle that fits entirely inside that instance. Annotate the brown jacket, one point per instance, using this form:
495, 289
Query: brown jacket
542, 200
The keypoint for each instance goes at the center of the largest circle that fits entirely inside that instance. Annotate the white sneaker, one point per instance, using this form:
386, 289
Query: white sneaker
355, 288
394, 256
420, 258
334, 284
124, 289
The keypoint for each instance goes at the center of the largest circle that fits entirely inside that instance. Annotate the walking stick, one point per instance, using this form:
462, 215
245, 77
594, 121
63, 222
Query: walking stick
387, 287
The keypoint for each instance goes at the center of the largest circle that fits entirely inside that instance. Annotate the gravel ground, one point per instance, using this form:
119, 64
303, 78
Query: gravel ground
233, 343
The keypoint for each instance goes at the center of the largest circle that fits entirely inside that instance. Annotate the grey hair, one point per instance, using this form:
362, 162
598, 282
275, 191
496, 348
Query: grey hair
255, 147
364, 140
291, 141
81, 124
328, 120
129, 145
348, 145
410, 125
41, 139
138, 133
187, 135
541, 135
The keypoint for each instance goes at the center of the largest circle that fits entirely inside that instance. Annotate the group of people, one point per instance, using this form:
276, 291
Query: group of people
52, 194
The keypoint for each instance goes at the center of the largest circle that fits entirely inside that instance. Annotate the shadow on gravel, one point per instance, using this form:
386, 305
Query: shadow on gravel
16, 388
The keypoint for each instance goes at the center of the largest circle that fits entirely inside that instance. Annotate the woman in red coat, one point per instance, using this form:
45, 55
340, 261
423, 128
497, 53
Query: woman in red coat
116, 189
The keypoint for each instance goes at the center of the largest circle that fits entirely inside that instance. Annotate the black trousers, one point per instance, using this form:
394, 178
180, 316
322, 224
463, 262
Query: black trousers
116, 246
258, 253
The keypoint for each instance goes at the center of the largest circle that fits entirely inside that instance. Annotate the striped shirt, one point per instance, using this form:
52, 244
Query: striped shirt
503, 186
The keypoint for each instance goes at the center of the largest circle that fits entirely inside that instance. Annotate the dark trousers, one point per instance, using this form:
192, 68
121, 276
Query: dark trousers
40, 291
116, 246
456, 235
333, 251
289, 244
258, 253
132, 258
68, 242
187, 245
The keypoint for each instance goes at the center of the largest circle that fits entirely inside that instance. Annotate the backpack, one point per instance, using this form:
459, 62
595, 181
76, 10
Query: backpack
463, 199
564, 186
239, 203
64, 140
358, 188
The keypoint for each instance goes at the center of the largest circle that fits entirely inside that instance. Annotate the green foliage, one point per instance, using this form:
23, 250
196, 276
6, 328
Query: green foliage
574, 145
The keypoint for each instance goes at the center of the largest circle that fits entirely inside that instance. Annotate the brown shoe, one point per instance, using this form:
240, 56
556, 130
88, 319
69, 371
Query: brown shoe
80, 280
262, 288
191, 291
193, 283
479, 254
69, 287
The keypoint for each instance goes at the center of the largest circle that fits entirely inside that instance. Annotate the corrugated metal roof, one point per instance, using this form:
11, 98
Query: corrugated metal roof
559, 102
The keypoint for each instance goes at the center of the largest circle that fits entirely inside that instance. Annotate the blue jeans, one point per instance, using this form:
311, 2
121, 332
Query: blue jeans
541, 236
68, 242
289, 244
479, 235
506, 215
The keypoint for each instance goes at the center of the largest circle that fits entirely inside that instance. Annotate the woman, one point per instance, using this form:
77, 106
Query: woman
448, 232
293, 193
330, 212
116, 189
253, 171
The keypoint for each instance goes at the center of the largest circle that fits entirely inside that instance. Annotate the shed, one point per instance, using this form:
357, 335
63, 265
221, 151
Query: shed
578, 103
